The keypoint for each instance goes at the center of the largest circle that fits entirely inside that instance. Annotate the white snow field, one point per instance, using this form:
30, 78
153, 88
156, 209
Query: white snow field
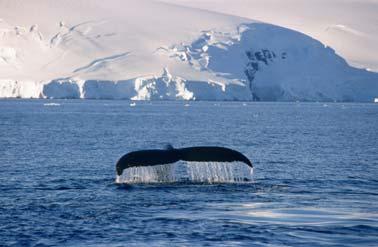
348, 26
147, 50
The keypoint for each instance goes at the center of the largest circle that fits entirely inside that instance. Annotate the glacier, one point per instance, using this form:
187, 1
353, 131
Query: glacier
348, 26
164, 87
129, 54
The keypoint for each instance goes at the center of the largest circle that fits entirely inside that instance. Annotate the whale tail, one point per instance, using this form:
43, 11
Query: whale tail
204, 164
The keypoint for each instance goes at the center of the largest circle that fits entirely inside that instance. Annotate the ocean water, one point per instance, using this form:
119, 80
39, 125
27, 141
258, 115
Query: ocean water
315, 180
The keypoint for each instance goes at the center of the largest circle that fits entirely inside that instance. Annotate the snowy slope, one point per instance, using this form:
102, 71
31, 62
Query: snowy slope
348, 26
144, 49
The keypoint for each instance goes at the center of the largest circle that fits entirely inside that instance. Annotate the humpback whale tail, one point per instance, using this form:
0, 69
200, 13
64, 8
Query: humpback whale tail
205, 163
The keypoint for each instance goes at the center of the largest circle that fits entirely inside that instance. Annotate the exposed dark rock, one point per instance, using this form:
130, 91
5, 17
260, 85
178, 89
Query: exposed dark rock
256, 58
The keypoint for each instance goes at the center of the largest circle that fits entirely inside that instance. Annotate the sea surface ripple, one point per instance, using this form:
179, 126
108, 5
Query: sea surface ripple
315, 177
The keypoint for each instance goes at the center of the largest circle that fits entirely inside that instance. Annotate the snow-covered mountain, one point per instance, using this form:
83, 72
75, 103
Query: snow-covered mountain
145, 49
348, 26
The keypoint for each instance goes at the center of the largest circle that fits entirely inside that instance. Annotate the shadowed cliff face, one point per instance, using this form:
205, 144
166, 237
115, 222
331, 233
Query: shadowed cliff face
256, 59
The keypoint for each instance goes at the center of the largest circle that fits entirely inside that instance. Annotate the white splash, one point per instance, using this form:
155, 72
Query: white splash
205, 172
51, 104
216, 172
147, 174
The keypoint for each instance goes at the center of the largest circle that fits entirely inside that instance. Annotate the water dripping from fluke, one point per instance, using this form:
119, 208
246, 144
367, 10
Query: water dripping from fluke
188, 172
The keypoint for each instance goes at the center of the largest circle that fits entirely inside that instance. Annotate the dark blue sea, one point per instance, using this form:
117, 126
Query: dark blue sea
315, 179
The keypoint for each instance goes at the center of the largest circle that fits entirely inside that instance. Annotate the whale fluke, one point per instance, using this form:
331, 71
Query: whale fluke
171, 155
